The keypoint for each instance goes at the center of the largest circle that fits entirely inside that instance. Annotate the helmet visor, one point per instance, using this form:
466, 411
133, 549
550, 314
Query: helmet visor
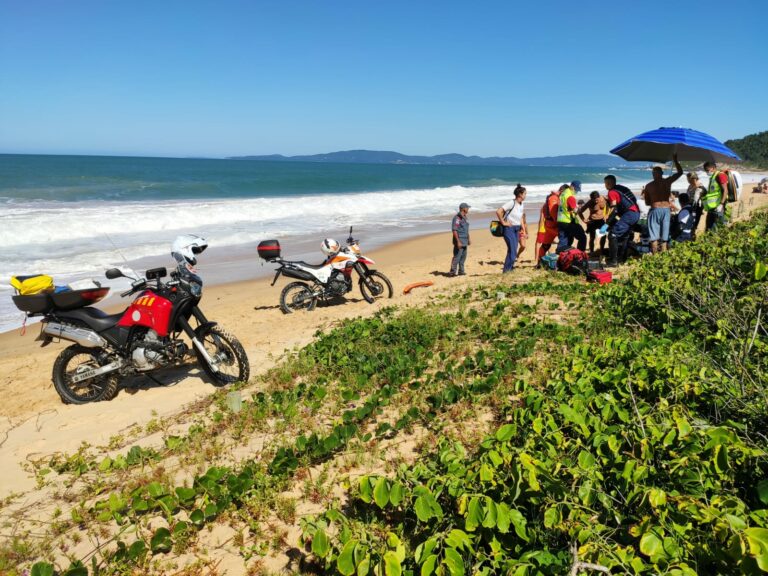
199, 249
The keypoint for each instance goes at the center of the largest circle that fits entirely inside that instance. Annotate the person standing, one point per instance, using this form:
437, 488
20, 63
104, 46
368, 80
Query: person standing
512, 217
716, 197
568, 227
696, 193
597, 206
622, 216
657, 196
460, 234
547, 231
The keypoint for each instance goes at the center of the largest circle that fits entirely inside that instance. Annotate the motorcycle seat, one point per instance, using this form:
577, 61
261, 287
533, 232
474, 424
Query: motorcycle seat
93, 317
307, 265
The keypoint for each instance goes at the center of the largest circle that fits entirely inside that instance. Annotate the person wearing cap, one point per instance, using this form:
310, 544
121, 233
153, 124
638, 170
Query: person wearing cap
512, 217
657, 196
460, 233
568, 227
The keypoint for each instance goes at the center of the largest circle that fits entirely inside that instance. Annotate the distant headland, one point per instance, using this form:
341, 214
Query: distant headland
387, 157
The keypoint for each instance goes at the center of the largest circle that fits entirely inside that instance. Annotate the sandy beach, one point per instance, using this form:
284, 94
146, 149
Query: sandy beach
34, 422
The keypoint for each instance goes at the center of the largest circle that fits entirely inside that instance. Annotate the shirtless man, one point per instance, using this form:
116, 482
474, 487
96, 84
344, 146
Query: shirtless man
657, 196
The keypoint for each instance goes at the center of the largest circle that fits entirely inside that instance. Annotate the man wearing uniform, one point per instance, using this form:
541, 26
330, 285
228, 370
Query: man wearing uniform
568, 227
460, 230
624, 214
547, 233
715, 199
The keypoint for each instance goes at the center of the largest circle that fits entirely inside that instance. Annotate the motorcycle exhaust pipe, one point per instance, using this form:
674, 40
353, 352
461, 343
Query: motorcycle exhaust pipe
82, 336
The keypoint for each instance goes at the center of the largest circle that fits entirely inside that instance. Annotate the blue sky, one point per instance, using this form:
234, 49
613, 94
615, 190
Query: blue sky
224, 77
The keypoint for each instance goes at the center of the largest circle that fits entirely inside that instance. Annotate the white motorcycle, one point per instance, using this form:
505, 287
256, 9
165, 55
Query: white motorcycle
329, 280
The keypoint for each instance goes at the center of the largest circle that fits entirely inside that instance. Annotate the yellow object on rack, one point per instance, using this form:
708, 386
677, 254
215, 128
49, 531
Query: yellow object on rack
26, 285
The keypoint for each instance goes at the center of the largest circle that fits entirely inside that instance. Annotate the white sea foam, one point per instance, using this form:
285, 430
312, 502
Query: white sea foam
72, 240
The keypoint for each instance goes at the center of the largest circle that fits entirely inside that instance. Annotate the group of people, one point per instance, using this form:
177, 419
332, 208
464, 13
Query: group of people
614, 217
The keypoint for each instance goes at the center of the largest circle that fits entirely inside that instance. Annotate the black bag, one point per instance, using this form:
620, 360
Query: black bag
496, 228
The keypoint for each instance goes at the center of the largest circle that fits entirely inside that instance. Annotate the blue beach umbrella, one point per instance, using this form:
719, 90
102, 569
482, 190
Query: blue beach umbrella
690, 145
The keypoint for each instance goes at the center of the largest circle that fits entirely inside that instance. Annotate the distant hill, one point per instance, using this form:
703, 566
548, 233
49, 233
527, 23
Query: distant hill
753, 149
386, 157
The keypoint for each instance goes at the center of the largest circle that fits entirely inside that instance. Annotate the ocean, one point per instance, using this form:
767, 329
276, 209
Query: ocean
75, 216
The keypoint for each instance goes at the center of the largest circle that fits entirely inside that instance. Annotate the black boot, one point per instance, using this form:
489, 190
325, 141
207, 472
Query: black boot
613, 252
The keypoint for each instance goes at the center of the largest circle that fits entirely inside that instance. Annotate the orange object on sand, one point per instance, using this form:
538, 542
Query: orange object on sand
410, 287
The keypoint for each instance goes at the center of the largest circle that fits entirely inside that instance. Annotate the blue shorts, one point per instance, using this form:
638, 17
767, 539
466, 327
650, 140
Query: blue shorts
658, 224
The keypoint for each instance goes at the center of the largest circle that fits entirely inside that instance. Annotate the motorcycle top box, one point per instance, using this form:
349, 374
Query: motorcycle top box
269, 249
72, 299
33, 303
66, 300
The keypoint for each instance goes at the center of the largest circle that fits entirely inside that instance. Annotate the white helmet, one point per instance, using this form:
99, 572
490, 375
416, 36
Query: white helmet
187, 246
330, 247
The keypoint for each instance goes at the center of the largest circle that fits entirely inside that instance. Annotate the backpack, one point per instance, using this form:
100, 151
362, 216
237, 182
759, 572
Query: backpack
36, 284
573, 261
545, 212
496, 228
734, 185
628, 198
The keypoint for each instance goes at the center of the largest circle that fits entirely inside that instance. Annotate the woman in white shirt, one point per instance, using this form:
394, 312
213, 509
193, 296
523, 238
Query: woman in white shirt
512, 217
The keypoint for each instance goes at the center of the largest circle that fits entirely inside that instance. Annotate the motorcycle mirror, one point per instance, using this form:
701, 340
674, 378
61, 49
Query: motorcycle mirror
113, 273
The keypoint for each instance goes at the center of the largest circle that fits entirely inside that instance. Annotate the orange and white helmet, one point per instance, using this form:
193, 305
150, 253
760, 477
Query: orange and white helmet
330, 247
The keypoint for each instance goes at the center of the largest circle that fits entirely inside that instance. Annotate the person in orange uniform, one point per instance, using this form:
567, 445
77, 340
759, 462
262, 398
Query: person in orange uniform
547, 232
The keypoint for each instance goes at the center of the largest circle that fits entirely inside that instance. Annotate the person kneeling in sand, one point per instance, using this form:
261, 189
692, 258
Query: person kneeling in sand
762, 187
597, 207
686, 218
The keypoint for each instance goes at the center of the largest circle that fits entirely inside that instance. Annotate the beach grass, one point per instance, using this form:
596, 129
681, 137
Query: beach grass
500, 428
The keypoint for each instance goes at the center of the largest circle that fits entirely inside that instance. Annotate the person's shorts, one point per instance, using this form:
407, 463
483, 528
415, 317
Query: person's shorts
658, 224
594, 225
547, 237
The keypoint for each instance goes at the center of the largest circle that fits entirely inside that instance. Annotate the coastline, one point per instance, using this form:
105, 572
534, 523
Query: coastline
33, 421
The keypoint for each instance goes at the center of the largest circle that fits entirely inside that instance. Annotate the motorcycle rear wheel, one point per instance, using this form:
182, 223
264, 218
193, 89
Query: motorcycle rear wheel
297, 296
375, 285
232, 365
75, 359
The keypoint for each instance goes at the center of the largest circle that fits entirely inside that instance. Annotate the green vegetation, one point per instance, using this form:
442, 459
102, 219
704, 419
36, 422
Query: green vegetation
753, 149
558, 424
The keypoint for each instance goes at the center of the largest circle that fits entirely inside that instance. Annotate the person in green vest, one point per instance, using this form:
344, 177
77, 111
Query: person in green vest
568, 226
716, 197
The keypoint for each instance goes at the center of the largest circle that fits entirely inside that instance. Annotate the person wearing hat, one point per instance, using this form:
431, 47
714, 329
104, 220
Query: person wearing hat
568, 227
512, 217
460, 232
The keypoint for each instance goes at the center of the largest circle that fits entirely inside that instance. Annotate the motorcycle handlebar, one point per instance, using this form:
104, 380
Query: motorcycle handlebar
135, 287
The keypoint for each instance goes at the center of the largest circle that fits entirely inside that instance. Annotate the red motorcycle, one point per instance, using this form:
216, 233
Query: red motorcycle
145, 337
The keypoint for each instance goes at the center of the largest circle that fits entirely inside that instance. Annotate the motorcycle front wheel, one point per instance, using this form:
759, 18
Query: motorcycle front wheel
228, 354
297, 296
374, 286
76, 360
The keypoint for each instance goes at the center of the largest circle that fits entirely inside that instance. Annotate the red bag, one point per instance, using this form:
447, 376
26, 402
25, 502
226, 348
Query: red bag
600, 276
573, 261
